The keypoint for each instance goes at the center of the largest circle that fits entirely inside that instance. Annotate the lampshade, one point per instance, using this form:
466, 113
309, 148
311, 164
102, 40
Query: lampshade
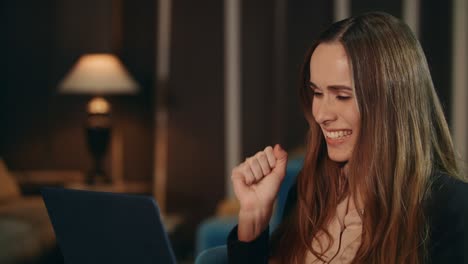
98, 74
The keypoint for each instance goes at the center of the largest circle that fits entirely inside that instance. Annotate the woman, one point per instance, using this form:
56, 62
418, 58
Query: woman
380, 182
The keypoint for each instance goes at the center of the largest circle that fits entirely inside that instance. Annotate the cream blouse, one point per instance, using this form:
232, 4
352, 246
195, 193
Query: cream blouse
346, 230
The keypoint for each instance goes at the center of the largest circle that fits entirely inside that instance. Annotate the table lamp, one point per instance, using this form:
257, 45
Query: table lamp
98, 75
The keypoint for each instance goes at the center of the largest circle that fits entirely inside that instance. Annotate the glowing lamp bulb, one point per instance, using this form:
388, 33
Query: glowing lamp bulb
98, 105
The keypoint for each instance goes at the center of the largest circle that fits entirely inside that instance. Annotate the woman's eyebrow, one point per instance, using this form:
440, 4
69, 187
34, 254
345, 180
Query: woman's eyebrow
339, 88
332, 87
312, 85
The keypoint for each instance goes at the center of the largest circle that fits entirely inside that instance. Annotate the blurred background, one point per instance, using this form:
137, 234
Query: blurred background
214, 82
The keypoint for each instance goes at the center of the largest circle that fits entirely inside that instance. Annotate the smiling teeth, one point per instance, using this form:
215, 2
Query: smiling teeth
338, 134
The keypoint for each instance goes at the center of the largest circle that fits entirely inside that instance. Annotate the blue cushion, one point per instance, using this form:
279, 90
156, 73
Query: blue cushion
213, 232
215, 255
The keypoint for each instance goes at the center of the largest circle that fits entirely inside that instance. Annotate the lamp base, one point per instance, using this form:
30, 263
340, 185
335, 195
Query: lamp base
97, 177
98, 132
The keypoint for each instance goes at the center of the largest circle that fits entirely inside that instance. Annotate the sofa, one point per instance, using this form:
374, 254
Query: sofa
26, 234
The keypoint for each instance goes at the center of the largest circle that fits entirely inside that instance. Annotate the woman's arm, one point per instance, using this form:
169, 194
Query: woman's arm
257, 250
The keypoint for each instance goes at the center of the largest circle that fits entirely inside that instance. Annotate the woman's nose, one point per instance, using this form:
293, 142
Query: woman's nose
324, 111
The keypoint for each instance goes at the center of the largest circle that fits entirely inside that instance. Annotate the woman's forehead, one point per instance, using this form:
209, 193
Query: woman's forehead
329, 65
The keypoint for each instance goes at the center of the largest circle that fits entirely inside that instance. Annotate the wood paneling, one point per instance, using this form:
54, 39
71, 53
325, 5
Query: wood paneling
436, 40
195, 182
393, 7
257, 75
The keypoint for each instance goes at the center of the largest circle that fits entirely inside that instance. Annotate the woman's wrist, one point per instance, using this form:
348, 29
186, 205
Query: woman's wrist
252, 224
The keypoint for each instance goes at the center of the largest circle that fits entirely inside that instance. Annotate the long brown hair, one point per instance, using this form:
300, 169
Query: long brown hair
404, 138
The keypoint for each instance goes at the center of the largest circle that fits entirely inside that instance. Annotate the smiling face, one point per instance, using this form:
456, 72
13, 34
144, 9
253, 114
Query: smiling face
334, 106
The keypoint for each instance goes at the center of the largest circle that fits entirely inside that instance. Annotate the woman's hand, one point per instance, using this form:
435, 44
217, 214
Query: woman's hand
256, 183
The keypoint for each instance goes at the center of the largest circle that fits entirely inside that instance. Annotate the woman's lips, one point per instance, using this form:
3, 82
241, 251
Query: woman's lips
336, 137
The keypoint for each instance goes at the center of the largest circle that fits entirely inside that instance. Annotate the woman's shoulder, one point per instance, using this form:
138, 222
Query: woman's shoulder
447, 215
447, 203
446, 188
447, 195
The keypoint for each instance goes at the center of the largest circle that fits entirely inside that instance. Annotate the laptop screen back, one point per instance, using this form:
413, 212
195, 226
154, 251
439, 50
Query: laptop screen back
95, 227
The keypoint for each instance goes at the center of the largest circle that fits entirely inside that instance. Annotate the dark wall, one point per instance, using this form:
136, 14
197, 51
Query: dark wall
26, 52
196, 109
392, 7
138, 40
257, 65
42, 129
436, 40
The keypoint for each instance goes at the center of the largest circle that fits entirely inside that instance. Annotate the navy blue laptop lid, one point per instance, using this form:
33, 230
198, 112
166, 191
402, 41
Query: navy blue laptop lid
97, 227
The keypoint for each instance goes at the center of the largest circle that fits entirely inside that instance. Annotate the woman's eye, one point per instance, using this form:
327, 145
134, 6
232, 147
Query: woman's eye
318, 94
343, 98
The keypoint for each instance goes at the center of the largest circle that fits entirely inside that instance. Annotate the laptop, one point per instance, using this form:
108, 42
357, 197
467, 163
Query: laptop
98, 227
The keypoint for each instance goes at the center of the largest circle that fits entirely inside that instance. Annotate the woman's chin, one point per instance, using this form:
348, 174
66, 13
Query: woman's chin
340, 158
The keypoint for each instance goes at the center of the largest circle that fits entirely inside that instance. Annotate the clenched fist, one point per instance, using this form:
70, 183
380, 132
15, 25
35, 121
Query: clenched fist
256, 183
